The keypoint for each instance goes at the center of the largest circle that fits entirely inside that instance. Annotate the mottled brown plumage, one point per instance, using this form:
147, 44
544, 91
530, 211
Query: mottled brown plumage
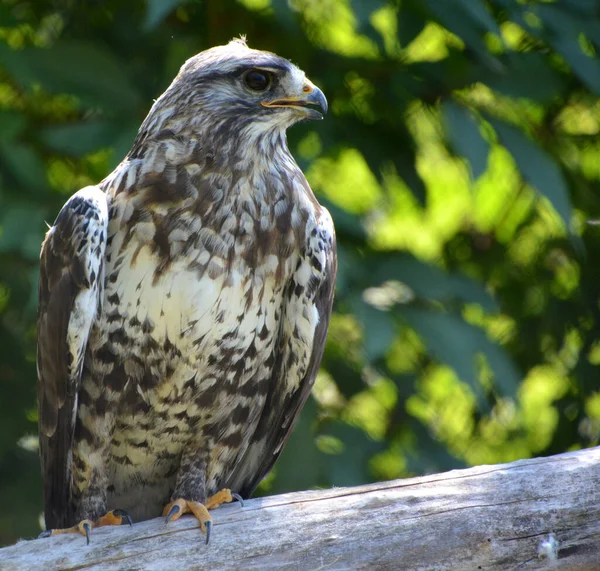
184, 301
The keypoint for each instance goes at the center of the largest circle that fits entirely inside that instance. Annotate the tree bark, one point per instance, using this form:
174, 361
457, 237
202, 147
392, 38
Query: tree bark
531, 514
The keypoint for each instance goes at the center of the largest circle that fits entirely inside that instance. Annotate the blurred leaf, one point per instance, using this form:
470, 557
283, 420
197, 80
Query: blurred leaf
378, 326
158, 10
286, 16
537, 167
349, 380
362, 11
426, 280
449, 74
429, 455
22, 229
79, 139
25, 165
457, 343
347, 258
364, 8
87, 70
463, 131
585, 67
410, 21
123, 142
405, 164
480, 14
351, 467
6, 16
301, 450
514, 80
406, 387
379, 145
565, 31
12, 124
588, 8
349, 227
466, 23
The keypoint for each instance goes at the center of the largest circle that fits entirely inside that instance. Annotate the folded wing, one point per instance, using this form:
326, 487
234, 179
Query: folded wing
70, 297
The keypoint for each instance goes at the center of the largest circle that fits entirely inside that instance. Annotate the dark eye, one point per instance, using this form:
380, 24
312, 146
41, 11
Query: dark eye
257, 79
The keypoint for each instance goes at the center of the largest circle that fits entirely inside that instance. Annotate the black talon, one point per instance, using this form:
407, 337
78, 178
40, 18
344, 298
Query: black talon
208, 525
175, 509
46, 533
87, 528
123, 513
238, 498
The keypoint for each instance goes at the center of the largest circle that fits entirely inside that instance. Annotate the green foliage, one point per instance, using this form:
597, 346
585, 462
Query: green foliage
460, 164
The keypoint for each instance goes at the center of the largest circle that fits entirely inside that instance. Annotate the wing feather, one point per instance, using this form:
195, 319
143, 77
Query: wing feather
70, 294
282, 409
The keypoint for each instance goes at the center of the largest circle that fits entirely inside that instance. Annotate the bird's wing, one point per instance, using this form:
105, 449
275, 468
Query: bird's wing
70, 296
282, 408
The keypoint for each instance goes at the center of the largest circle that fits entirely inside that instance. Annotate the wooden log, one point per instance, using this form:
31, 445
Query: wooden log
531, 514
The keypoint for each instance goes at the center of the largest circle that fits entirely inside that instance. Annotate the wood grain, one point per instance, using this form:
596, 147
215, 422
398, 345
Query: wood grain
488, 518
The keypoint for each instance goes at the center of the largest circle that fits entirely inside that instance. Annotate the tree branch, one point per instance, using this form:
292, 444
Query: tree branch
489, 517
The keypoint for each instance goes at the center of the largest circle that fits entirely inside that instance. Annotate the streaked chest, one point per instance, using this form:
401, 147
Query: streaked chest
182, 288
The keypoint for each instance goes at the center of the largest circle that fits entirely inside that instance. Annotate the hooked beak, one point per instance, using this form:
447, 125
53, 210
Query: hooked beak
311, 95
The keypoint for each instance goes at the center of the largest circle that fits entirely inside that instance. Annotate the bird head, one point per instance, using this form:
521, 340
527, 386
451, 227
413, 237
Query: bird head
243, 88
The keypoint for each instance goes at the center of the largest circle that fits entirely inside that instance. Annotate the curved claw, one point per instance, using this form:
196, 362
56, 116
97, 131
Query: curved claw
238, 498
124, 514
87, 528
46, 533
175, 509
208, 525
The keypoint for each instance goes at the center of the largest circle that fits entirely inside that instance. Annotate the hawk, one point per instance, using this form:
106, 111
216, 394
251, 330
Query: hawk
184, 303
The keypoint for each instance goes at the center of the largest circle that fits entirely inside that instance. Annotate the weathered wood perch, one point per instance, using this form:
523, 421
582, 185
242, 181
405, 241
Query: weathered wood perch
489, 517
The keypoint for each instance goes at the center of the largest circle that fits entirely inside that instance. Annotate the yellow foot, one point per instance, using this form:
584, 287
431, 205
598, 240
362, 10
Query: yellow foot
84, 527
175, 509
225, 496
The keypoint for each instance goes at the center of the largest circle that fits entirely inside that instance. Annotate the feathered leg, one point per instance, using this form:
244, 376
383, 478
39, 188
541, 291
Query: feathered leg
190, 491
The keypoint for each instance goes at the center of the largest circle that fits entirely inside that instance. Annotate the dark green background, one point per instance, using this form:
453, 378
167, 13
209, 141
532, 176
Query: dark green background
460, 162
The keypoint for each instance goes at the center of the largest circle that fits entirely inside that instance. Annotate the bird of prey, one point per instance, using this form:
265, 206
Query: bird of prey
184, 303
